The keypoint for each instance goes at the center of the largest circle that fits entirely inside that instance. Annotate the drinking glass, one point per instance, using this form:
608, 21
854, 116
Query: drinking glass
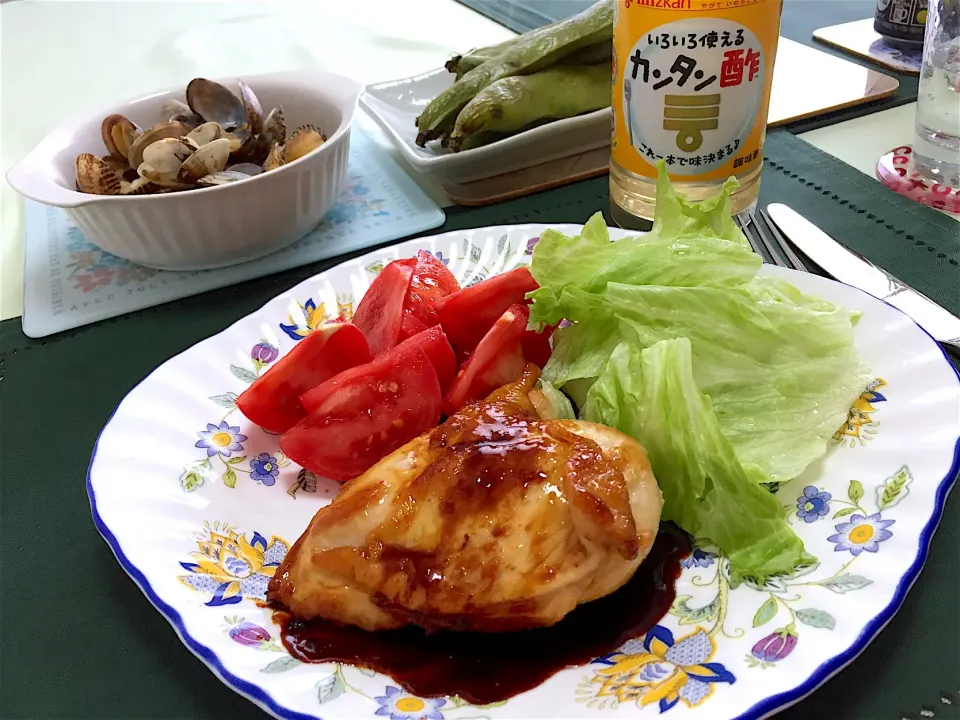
936, 149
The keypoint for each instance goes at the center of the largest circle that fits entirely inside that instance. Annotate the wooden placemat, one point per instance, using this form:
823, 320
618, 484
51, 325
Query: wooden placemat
806, 82
862, 40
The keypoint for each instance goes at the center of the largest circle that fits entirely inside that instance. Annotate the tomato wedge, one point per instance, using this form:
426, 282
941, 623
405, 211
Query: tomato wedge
273, 400
431, 281
433, 341
410, 324
365, 413
467, 315
380, 312
496, 361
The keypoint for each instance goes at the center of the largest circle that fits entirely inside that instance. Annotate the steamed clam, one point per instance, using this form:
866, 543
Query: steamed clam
205, 133
95, 176
208, 160
214, 138
118, 135
274, 158
215, 103
305, 139
224, 177
274, 129
162, 131
252, 105
176, 111
249, 169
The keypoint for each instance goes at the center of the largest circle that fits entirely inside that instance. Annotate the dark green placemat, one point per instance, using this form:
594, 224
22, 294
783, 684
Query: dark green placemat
800, 18
80, 641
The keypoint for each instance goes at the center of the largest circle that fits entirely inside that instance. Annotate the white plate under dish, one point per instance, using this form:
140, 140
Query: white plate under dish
215, 507
396, 104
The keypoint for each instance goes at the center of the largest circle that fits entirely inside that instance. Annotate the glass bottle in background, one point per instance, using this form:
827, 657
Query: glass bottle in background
691, 85
901, 22
936, 148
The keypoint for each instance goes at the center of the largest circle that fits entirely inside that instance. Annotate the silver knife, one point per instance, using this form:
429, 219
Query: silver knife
853, 269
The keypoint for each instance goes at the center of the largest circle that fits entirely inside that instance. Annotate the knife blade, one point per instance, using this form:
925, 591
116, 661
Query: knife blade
850, 268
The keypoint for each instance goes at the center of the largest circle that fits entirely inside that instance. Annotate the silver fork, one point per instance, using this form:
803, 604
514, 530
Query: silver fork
767, 241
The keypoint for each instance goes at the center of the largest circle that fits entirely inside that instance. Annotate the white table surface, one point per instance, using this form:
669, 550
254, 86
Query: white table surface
861, 142
58, 59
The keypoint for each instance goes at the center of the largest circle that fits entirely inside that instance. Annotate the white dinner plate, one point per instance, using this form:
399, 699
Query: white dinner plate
199, 506
395, 105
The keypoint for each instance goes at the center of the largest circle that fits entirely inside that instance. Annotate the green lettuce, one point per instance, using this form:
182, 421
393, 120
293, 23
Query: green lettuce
558, 406
767, 373
651, 395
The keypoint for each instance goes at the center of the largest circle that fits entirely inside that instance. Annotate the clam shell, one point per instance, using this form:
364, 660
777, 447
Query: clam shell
157, 132
147, 171
138, 186
246, 168
274, 128
305, 139
274, 158
175, 111
118, 134
115, 164
215, 103
206, 133
167, 155
94, 176
252, 105
209, 159
223, 177
162, 161
252, 151
235, 142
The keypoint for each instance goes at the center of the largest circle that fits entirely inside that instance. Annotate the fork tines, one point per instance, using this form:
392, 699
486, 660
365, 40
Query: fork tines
767, 241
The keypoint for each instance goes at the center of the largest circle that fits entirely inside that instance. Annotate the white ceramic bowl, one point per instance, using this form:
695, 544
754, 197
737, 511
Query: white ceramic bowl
210, 227
395, 106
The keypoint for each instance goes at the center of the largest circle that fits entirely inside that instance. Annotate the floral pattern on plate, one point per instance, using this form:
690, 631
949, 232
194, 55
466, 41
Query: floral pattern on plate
860, 427
659, 669
229, 567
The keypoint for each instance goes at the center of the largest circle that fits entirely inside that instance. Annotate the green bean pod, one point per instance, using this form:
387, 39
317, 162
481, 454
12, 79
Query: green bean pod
590, 55
462, 64
601, 52
533, 52
513, 103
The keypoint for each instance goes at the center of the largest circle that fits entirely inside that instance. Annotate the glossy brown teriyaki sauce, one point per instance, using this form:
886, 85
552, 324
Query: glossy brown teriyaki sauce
483, 668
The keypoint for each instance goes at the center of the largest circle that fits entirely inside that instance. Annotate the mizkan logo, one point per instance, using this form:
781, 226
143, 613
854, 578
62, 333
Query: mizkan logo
660, 4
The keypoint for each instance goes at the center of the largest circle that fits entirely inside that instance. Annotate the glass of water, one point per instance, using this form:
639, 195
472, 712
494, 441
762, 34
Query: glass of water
936, 149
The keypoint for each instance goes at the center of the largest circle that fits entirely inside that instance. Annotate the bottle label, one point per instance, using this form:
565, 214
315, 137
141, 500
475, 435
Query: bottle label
901, 19
691, 85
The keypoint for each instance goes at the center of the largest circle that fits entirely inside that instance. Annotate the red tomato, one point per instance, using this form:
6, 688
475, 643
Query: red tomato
273, 400
431, 281
380, 312
365, 413
410, 324
467, 315
536, 346
433, 341
497, 360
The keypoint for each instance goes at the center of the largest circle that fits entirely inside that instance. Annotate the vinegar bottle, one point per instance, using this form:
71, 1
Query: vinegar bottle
691, 86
